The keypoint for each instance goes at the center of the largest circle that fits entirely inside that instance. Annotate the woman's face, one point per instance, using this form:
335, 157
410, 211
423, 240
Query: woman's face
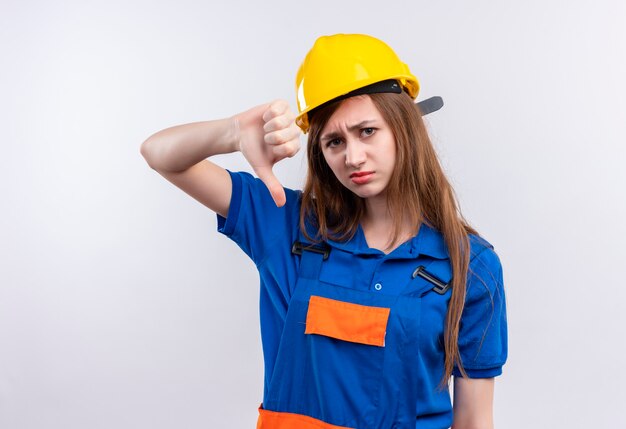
359, 147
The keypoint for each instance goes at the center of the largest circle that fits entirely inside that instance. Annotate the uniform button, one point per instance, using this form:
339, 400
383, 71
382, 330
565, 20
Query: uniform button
378, 286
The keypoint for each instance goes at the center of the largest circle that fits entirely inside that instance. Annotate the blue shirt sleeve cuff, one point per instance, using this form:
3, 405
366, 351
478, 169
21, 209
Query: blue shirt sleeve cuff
227, 225
479, 373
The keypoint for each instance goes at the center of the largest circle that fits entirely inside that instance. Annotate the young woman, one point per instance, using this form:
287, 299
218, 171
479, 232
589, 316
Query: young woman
374, 290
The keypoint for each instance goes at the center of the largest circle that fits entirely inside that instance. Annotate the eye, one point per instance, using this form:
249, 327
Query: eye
368, 131
333, 143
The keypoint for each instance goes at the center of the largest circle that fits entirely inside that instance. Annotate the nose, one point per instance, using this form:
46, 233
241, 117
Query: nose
355, 154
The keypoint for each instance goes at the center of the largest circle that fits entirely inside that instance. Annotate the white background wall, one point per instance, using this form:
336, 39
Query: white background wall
121, 307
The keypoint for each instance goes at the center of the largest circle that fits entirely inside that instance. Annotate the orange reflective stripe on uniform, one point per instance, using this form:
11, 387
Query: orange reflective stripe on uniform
347, 321
277, 420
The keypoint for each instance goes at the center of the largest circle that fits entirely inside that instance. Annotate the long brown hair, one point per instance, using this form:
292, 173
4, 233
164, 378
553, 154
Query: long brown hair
418, 192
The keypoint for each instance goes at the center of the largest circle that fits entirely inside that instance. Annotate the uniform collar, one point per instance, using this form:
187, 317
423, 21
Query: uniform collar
428, 242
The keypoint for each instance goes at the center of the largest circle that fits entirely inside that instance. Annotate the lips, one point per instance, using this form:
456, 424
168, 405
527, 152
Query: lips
360, 174
361, 177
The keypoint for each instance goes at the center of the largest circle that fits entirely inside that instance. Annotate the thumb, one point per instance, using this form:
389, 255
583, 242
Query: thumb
276, 189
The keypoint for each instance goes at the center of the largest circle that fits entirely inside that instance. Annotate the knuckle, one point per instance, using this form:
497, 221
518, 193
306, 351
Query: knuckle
291, 151
279, 135
294, 133
278, 151
274, 137
280, 105
272, 125
286, 121
274, 111
278, 123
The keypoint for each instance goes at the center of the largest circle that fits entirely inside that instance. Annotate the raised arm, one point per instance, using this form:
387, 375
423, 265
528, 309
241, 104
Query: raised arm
264, 134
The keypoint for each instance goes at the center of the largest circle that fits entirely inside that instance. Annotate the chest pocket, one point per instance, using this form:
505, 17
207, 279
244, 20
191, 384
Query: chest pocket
337, 268
347, 321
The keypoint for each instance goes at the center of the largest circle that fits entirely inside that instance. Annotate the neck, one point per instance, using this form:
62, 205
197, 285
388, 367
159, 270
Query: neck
377, 225
377, 212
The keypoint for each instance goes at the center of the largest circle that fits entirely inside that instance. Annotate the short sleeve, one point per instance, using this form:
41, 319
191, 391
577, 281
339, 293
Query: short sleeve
483, 341
254, 222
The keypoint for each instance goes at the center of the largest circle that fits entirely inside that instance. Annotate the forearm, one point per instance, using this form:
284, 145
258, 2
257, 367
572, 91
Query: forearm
177, 148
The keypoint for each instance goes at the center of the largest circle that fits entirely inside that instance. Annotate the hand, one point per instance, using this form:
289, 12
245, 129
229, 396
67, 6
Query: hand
267, 134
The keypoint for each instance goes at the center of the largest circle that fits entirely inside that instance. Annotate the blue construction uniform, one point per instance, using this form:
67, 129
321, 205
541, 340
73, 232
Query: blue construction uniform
318, 362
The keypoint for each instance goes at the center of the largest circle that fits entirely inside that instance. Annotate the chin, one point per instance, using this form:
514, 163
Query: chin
361, 192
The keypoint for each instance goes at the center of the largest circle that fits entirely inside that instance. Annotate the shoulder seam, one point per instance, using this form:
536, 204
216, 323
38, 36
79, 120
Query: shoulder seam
479, 253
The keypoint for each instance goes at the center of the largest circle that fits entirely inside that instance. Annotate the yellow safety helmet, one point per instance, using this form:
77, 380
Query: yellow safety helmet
342, 63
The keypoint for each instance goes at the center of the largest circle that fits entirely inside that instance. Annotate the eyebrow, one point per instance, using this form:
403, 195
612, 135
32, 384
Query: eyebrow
335, 134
